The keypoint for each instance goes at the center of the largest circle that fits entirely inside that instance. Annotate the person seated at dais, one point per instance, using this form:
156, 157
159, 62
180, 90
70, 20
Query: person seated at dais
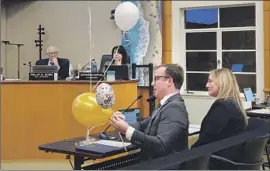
63, 64
119, 55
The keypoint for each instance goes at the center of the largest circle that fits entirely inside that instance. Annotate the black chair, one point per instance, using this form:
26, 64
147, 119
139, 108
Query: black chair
249, 155
225, 164
253, 123
200, 163
150, 67
266, 164
104, 59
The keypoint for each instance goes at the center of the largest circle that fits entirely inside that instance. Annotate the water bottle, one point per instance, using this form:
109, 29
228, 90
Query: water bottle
93, 66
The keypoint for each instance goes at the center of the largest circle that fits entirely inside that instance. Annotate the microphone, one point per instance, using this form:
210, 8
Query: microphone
103, 135
26, 64
87, 65
29, 65
139, 97
151, 98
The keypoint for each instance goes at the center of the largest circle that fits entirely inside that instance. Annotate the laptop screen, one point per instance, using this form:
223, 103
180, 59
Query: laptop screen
249, 94
131, 115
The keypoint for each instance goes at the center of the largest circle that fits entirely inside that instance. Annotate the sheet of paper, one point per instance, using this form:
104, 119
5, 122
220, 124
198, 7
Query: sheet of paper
113, 143
264, 111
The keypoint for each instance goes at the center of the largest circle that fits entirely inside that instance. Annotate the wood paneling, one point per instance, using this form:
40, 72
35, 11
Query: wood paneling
167, 32
142, 103
36, 114
267, 47
266, 30
266, 6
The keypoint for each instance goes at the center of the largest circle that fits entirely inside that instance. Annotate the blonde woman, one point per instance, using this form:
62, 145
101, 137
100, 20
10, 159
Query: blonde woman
226, 117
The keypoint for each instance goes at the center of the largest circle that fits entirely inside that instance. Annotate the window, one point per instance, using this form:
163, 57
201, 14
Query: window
219, 37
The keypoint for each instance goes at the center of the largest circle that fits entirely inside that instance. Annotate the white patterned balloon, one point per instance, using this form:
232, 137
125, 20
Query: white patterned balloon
105, 96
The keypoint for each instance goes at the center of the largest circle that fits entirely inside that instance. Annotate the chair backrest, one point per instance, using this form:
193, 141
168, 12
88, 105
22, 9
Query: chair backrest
249, 154
255, 123
254, 149
150, 67
104, 59
220, 163
249, 157
250, 166
200, 163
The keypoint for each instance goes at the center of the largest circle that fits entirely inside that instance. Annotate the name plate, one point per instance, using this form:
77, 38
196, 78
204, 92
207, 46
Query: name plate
90, 76
42, 76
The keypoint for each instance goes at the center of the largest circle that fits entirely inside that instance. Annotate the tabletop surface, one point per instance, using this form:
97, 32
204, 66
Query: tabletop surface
68, 146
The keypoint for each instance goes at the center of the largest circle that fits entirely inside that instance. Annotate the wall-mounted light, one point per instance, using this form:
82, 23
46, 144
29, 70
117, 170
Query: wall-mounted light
112, 14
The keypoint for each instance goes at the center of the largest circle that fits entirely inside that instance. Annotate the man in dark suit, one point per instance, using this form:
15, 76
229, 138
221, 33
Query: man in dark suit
63, 65
166, 131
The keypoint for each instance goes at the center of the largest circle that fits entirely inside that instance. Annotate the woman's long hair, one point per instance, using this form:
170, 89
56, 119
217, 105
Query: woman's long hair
123, 52
228, 86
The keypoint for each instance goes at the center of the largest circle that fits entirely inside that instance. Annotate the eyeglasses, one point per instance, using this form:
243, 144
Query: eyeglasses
52, 53
156, 78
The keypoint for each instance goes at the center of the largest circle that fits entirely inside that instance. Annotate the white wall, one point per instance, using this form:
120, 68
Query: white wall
3, 35
198, 105
66, 26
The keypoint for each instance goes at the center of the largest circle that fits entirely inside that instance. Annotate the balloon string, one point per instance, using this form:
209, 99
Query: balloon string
89, 129
88, 138
122, 141
90, 41
116, 51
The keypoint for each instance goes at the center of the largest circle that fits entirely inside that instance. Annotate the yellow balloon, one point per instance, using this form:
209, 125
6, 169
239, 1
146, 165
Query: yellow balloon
107, 112
87, 111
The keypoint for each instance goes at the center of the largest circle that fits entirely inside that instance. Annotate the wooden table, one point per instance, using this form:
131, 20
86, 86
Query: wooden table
39, 112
